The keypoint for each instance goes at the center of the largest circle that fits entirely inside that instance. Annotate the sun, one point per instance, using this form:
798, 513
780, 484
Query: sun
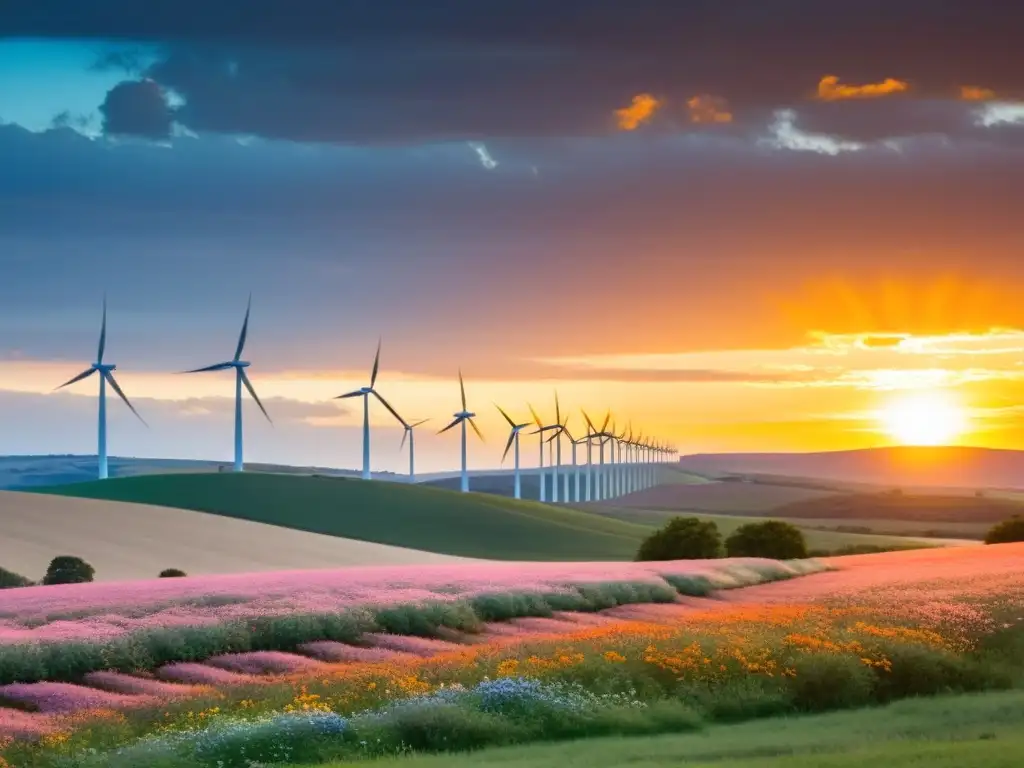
924, 418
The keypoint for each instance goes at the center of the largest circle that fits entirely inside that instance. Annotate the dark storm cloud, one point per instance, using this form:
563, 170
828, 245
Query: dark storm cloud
345, 71
137, 108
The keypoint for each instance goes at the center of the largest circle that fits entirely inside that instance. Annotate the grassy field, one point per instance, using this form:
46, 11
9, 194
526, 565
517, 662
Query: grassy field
469, 525
921, 508
822, 533
718, 497
966, 731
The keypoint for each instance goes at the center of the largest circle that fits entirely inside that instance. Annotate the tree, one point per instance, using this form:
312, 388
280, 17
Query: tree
772, 538
170, 573
1007, 531
682, 538
10, 579
66, 569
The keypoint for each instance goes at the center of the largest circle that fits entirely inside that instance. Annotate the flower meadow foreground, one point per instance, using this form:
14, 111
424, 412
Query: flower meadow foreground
825, 641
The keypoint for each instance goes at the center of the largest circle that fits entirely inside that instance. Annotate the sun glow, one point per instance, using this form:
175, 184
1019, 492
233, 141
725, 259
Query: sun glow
924, 418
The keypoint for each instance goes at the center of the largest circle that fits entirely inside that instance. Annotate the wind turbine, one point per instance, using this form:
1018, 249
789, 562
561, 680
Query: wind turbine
558, 427
106, 371
241, 379
591, 493
408, 433
539, 431
365, 392
603, 435
513, 438
462, 417
575, 442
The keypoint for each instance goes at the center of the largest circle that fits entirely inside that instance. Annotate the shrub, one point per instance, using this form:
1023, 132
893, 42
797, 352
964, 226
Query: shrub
1007, 531
172, 573
66, 569
682, 538
773, 539
10, 579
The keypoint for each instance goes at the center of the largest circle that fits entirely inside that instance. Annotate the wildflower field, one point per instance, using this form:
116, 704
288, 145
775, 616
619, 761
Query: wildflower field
494, 655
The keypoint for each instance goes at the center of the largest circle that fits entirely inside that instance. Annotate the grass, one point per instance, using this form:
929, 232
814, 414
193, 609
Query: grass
942, 732
923, 509
469, 525
817, 539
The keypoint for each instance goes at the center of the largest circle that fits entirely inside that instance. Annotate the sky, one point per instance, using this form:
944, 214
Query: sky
739, 226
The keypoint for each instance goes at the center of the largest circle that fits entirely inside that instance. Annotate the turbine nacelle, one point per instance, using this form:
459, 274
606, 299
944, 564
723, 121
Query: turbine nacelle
464, 415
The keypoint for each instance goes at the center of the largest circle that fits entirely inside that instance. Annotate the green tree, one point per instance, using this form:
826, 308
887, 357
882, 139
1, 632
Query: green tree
772, 538
1007, 531
682, 538
170, 573
66, 569
9, 579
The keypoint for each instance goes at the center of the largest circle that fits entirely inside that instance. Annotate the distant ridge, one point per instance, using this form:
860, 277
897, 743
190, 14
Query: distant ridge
901, 466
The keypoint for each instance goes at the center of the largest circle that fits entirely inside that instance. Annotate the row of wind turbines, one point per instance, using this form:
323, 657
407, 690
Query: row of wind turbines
631, 465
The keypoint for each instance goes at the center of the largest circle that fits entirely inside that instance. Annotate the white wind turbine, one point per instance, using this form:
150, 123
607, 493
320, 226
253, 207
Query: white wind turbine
106, 371
539, 431
513, 439
365, 392
241, 379
408, 433
462, 417
556, 461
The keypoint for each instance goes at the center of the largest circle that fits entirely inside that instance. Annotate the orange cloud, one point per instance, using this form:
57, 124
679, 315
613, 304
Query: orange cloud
976, 93
830, 89
708, 109
640, 111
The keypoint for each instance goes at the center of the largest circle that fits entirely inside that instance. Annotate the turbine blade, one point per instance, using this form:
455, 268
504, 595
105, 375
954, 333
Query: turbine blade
590, 424
217, 367
357, 393
476, 428
376, 365
457, 420
405, 435
421, 421
462, 387
103, 332
83, 375
245, 331
568, 434
536, 418
508, 446
114, 385
558, 409
252, 391
607, 418
507, 417
388, 406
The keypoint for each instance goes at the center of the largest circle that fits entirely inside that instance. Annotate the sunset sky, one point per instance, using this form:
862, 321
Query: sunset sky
743, 226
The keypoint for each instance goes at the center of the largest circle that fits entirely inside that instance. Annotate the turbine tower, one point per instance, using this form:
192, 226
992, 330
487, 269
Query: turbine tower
241, 379
365, 392
462, 417
408, 433
556, 460
539, 431
575, 443
601, 486
513, 438
106, 371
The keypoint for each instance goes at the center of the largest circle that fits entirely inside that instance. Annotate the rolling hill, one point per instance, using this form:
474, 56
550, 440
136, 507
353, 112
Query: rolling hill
468, 525
125, 541
898, 467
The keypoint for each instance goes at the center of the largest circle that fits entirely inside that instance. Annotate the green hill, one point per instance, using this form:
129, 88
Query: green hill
470, 525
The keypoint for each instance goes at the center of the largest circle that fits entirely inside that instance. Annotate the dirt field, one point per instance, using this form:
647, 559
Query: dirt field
136, 541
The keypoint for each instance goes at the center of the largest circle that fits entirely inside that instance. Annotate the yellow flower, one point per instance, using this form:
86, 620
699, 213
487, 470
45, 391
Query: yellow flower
614, 657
